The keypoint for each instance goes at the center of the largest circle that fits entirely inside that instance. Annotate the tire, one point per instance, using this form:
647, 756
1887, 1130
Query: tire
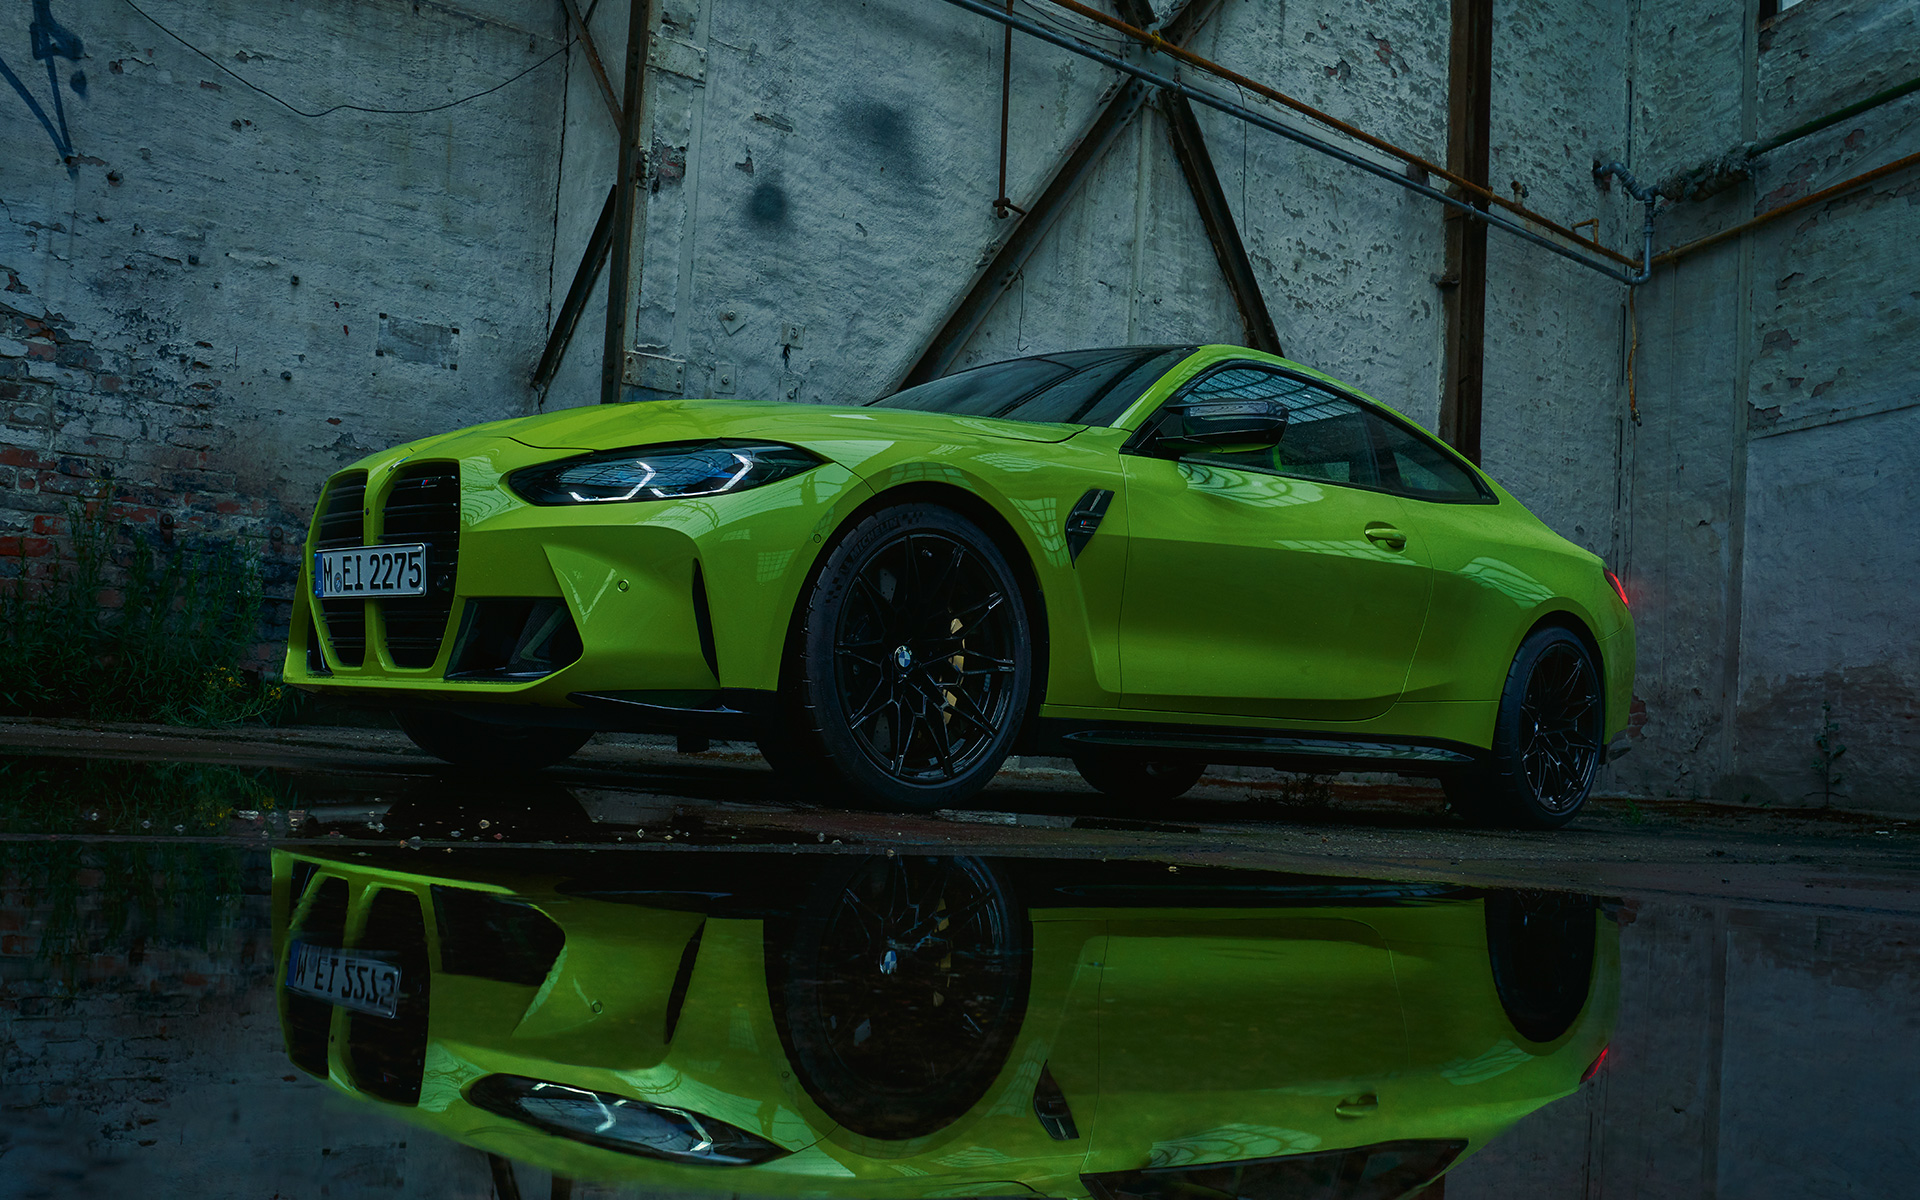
1540, 948
913, 668
1546, 739
1141, 779
466, 742
900, 989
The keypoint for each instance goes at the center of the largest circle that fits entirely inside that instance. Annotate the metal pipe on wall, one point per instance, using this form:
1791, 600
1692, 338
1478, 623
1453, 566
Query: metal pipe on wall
1163, 45
1262, 121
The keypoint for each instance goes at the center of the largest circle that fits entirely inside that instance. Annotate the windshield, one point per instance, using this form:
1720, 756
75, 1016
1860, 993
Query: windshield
1081, 387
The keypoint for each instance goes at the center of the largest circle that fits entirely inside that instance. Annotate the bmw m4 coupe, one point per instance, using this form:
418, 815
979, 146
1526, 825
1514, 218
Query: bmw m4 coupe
1147, 559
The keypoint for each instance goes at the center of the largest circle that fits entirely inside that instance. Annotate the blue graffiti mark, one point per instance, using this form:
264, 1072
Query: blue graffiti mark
50, 40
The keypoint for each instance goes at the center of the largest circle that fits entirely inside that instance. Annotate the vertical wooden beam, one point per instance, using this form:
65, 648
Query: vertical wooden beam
625, 269
1469, 138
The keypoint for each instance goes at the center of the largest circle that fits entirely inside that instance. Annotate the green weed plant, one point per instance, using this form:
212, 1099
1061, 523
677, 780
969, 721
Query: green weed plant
171, 651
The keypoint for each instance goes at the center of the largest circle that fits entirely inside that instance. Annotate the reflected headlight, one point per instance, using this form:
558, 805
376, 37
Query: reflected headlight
620, 1123
674, 471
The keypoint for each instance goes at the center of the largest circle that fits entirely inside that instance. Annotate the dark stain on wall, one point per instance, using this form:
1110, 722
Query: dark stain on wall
881, 140
767, 206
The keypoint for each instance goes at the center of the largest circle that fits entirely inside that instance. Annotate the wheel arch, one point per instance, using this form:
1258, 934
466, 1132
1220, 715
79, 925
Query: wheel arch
1574, 623
992, 522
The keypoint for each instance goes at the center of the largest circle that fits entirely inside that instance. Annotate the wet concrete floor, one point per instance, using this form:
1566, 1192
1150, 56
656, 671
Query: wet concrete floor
314, 963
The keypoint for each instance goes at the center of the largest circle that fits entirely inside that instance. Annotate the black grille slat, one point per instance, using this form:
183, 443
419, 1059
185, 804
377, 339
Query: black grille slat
495, 937
341, 525
423, 505
387, 1056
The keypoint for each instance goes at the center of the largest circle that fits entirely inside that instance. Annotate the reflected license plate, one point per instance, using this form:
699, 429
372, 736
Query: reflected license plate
371, 571
361, 980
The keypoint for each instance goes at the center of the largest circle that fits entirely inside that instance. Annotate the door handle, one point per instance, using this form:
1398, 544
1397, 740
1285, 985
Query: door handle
1354, 1107
1386, 535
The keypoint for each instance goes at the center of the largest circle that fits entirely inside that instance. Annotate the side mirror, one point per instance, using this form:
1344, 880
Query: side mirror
1212, 424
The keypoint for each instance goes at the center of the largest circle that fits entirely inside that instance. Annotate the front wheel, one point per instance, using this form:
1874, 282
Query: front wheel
465, 742
915, 663
1546, 738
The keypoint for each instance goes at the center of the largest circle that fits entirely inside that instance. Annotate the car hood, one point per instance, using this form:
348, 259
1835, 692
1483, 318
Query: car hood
816, 426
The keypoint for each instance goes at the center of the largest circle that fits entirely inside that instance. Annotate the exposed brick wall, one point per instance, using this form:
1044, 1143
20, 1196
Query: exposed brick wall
85, 428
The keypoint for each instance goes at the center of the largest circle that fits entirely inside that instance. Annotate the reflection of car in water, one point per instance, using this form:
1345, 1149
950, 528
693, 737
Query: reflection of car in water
902, 1026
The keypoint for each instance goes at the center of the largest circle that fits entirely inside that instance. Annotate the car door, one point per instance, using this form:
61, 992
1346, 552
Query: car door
1268, 581
1229, 1036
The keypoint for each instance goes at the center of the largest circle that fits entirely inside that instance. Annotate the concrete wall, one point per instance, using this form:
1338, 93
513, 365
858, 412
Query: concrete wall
818, 196
1739, 1067
1778, 391
217, 301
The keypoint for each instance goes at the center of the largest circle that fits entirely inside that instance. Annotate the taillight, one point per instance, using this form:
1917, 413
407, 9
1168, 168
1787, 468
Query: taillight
1594, 1068
1618, 590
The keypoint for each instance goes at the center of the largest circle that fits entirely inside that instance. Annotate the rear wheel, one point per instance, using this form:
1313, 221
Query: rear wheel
1140, 778
1546, 739
914, 665
465, 742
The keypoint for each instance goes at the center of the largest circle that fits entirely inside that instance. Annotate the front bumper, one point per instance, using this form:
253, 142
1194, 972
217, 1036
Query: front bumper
690, 596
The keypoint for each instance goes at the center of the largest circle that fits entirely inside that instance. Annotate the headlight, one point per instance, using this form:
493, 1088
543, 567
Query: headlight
674, 471
620, 1123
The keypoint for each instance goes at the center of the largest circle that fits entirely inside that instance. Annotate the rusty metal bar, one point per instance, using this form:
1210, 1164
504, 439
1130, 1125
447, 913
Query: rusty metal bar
1668, 257
1020, 242
588, 270
622, 279
1263, 121
1469, 149
585, 37
1173, 50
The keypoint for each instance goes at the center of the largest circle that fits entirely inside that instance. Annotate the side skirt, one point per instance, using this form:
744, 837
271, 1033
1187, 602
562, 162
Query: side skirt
1310, 751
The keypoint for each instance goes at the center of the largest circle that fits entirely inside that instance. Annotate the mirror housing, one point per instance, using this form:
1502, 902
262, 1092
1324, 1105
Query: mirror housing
1212, 424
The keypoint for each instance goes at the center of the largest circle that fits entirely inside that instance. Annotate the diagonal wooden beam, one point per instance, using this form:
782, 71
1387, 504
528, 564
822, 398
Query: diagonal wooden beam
591, 260
1203, 181
585, 36
1190, 150
941, 351
1028, 229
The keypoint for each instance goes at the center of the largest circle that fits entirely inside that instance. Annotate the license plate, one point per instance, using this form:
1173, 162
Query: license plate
364, 981
371, 571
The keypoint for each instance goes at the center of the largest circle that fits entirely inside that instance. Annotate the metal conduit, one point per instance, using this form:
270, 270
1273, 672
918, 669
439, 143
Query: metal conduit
1155, 42
1262, 121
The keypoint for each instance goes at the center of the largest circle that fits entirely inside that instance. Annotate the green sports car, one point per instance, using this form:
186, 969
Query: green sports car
904, 1027
1147, 559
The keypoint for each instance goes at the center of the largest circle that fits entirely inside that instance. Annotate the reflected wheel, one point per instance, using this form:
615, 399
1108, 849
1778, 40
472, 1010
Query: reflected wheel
901, 989
1540, 946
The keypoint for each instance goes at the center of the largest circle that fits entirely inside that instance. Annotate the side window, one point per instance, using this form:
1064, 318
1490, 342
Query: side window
1417, 468
1326, 435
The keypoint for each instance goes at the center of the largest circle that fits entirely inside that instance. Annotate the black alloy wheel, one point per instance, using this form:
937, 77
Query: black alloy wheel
900, 990
466, 742
916, 660
1546, 739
